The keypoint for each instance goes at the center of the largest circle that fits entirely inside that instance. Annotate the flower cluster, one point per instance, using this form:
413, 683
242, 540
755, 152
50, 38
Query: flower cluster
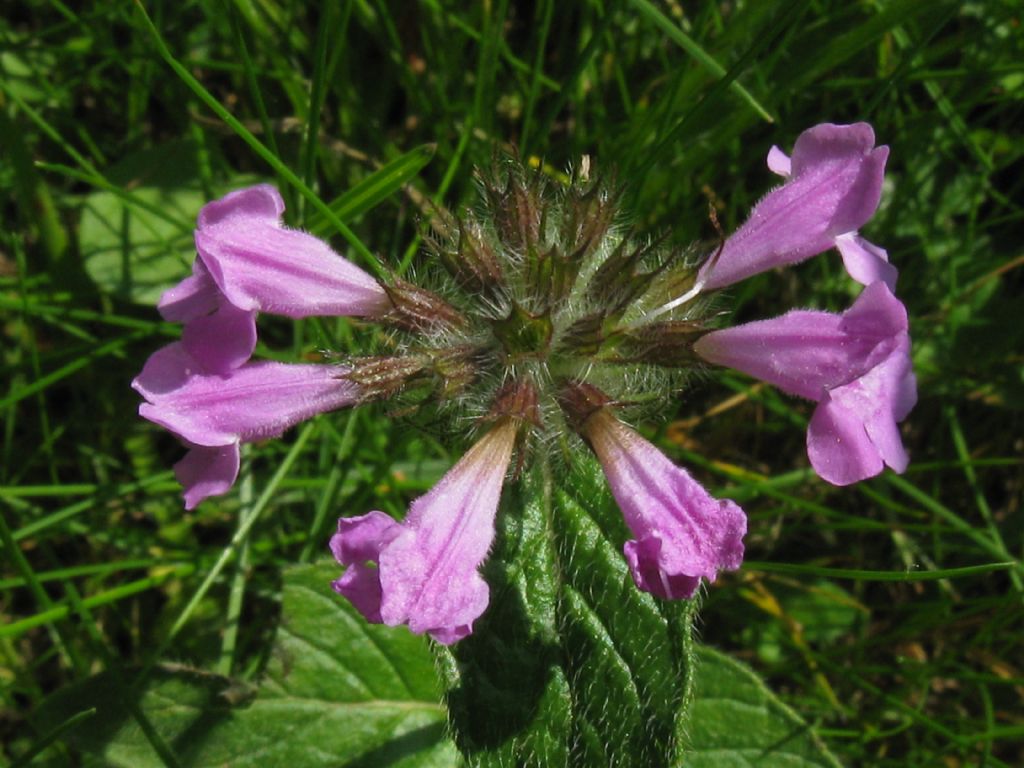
548, 330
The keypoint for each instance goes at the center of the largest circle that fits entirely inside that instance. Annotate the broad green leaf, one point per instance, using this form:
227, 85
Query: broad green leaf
136, 239
736, 722
337, 692
571, 665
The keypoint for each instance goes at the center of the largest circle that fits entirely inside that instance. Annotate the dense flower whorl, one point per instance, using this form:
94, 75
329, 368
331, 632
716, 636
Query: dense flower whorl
548, 325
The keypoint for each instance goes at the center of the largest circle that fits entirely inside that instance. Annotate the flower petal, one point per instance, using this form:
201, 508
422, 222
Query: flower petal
807, 352
167, 370
839, 447
256, 401
779, 162
877, 397
358, 542
834, 188
259, 202
206, 472
682, 533
427, 567
223, 340
193, 297
258, 264
876, 313
217, 334
865, 262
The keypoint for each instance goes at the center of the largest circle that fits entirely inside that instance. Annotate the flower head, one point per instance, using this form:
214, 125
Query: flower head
550, 327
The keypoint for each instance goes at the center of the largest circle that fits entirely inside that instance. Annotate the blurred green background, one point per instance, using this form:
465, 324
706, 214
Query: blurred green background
117, 124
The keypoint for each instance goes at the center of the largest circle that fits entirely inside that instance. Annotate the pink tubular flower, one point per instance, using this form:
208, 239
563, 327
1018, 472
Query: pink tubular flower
833, 185
249, 262
423, 571
855, 365
682, 533
213, 414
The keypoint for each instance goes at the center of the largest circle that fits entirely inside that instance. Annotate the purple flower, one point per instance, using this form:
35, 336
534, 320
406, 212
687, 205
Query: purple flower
833, 185
248, 263
213, 413
423, 571
217, 334
855, 365
682, 533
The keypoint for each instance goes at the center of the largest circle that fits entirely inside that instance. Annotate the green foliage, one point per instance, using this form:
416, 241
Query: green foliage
336, 693
573, 664
135, 239
736, 722
896, 628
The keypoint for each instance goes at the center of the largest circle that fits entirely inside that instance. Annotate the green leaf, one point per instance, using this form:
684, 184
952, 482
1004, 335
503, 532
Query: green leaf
337, 692
571, 665
736, 722
25, 73
136, 237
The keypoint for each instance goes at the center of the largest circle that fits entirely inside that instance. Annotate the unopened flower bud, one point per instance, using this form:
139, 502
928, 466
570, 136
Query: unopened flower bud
624, 276
473, 262
668, 343
518, 207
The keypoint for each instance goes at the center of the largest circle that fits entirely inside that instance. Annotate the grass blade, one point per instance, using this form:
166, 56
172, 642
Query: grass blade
701, 56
